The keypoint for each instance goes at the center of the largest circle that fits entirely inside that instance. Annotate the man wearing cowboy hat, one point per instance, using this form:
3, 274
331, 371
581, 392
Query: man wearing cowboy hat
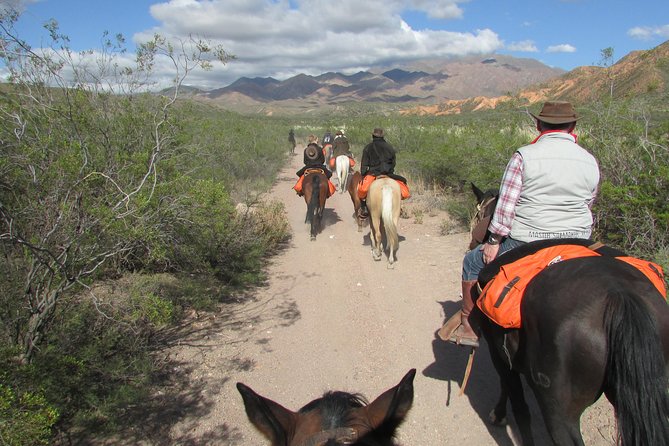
547, 190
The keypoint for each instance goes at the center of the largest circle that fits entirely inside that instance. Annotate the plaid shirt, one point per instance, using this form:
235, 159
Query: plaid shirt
509, 193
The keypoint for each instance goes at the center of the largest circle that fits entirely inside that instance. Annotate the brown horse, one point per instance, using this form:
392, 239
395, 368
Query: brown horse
590, 325
354, 181
383, 201
337, 418
315, 188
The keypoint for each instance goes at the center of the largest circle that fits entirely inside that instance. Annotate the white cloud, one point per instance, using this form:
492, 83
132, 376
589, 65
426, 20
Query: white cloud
280, 38
649, 32
525, 46
439, 9
15, 5
563, 48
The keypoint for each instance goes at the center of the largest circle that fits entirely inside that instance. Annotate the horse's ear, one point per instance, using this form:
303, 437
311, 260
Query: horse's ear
478, 192
272, 419
392, 406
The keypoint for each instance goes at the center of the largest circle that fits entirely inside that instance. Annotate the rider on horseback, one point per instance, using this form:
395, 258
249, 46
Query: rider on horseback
340, 146
546, 192
313, 159
378, 158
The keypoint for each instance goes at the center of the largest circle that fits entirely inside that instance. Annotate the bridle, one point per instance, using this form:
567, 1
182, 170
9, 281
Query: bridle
483, 210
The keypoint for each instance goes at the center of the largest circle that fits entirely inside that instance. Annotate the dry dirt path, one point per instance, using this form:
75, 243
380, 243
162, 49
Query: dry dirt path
330, 318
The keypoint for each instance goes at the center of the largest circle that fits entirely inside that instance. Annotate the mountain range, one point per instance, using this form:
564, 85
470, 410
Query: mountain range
448, 86
423, 82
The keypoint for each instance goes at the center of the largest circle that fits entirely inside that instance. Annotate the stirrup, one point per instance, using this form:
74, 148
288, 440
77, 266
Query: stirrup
458, 338
452, 324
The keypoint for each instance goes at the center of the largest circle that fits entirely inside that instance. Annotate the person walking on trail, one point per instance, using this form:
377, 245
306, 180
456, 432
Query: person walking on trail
547, 191
291, 140
378, 158
313, 159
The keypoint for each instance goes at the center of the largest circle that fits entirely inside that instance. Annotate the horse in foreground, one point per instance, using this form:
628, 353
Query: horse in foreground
353, 183
337, 418
315, 188
383, 202
590, 325
342, 167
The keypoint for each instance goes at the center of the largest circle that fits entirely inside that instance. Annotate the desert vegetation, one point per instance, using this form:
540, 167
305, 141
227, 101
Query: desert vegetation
119, 216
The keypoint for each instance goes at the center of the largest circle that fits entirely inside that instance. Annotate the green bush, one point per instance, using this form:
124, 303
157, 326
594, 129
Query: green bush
26, 418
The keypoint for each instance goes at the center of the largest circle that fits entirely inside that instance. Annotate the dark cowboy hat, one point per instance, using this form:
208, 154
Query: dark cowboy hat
378, 132
557, 112
311, 153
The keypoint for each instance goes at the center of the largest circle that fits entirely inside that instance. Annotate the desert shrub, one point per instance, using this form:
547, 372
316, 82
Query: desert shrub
96, 184
26, 418
629, 138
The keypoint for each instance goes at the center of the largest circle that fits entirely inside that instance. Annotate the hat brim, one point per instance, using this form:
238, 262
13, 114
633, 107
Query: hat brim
556, 119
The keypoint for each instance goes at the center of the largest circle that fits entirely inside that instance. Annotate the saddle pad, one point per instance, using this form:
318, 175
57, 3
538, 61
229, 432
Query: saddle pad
363, 188
501, 297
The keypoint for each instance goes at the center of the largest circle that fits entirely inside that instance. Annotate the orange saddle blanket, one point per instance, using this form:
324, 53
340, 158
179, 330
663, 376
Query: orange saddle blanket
367, 180
501, 297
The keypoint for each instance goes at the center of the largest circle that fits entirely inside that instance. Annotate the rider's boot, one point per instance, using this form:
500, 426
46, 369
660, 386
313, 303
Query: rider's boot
458, 329
363, 212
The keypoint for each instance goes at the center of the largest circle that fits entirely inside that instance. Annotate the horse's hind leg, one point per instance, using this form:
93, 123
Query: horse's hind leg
375, 236
563, 430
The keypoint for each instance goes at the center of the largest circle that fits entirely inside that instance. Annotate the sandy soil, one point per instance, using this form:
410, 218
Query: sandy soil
330, 318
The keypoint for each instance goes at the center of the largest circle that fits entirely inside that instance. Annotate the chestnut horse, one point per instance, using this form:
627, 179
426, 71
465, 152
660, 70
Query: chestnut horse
590, 325
337, 418
353, 183
315, 188
383, 202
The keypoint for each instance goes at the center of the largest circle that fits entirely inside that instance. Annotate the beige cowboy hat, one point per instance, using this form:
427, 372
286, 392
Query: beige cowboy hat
556, 112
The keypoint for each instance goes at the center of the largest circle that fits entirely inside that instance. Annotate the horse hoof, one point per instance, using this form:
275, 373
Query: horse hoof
313, 238
391, 266
494, 420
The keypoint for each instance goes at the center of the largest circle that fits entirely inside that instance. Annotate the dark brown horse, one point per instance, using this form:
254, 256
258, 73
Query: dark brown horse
315, 188
337, 418
354, 181
590, 325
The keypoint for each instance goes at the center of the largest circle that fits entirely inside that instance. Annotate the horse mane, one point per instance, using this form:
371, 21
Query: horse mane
335, 407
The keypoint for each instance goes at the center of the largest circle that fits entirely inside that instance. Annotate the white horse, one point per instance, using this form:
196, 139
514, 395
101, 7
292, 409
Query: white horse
342, 167
383, 201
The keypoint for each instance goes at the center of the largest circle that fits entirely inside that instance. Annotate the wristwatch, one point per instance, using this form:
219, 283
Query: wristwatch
494, 239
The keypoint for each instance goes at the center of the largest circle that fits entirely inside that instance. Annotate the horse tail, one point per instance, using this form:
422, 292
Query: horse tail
342, 166
636, 371
314, 201
387, 215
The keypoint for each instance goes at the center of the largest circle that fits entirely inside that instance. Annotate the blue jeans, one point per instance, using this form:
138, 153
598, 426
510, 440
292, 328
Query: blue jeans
473, 261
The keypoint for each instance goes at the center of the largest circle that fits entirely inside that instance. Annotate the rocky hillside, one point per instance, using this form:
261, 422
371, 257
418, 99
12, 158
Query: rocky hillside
640, 72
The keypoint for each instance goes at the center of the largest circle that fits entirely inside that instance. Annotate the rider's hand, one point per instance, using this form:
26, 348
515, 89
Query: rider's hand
489, 252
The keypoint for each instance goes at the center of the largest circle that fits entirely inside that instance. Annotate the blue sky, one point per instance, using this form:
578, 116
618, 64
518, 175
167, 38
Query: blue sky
281, 38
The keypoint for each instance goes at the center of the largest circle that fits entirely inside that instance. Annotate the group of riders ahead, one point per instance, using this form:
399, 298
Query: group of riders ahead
378, 158
547, 191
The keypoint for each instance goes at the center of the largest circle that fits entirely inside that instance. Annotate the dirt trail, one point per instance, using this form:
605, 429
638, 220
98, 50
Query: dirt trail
330, 318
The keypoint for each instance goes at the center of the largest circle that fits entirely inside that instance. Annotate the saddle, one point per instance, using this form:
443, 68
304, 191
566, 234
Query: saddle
504, 280
311, 170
